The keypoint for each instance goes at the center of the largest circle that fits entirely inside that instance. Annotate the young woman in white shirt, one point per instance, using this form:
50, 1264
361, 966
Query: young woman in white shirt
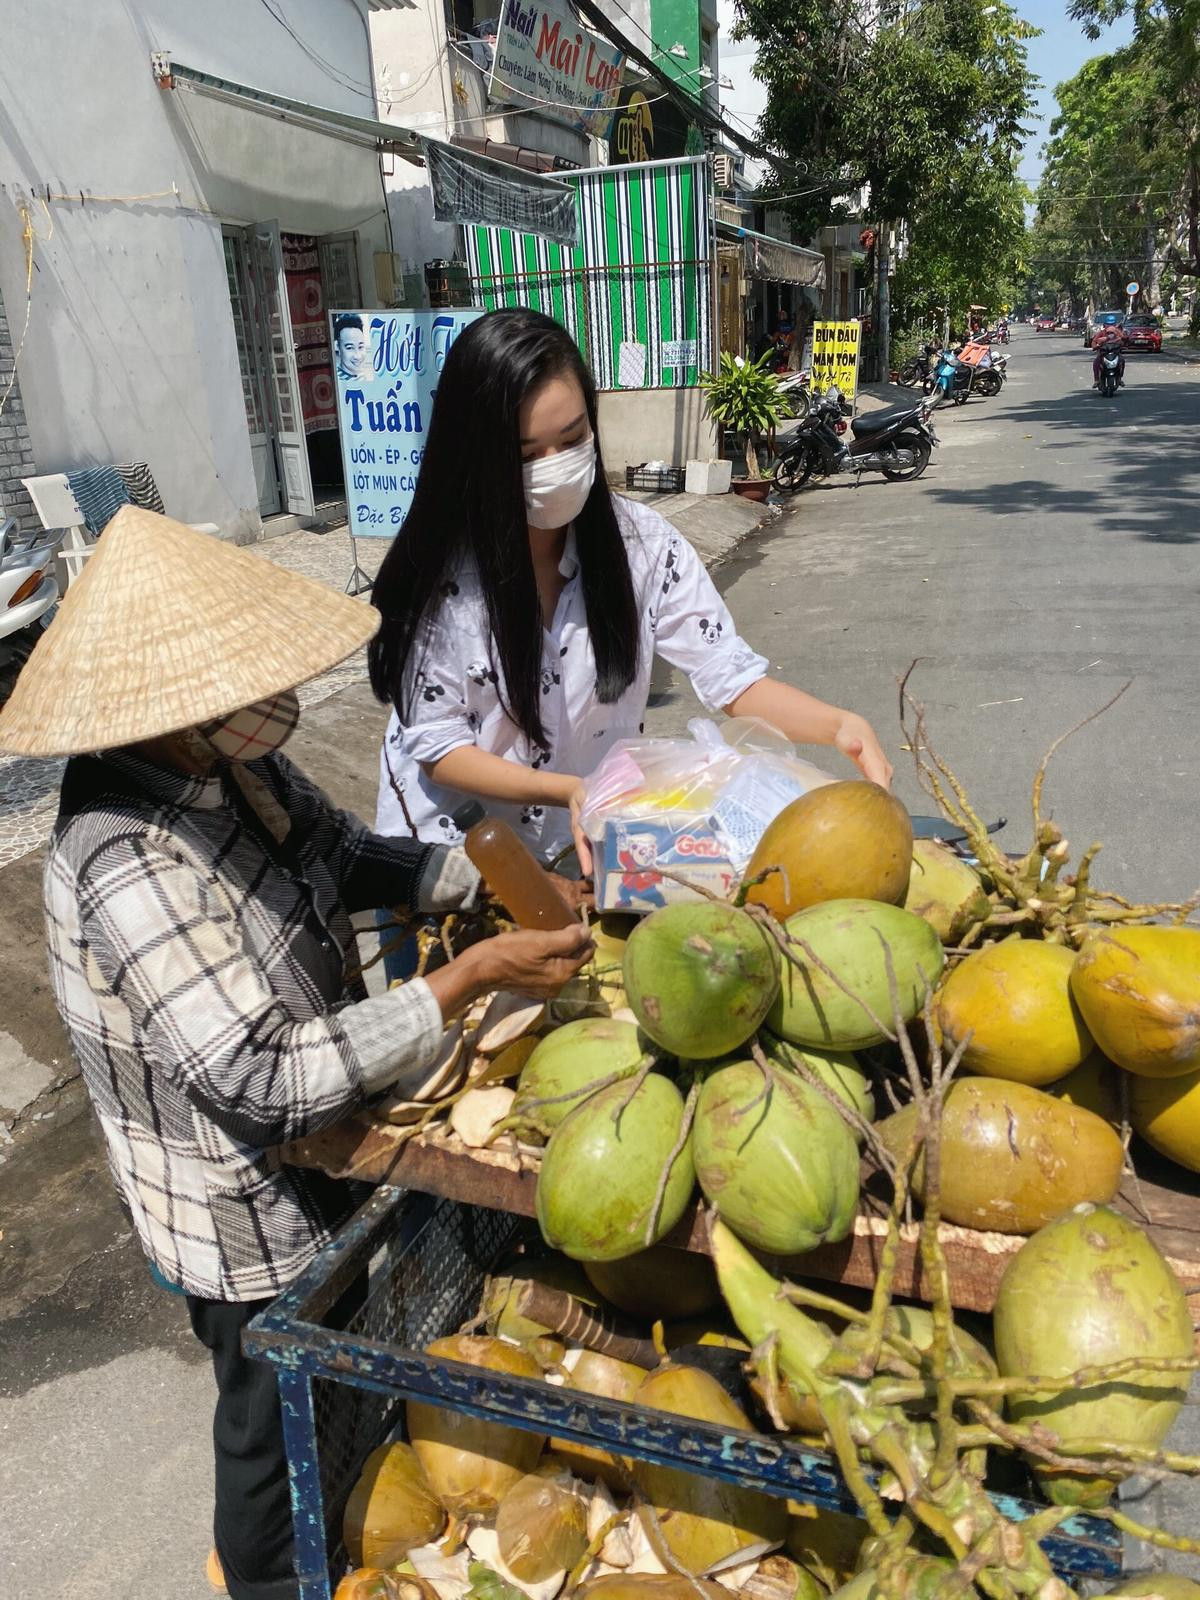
524, 602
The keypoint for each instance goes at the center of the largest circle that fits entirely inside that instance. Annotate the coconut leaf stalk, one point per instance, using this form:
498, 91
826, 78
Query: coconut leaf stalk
1034, 894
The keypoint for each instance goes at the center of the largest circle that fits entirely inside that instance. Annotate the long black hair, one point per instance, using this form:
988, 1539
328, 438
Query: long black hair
470, 503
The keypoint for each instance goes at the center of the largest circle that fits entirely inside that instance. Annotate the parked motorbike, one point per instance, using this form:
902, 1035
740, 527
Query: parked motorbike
28, 595
896, 442
793, 387
951, 379
990, 373
1110, 370
917, 368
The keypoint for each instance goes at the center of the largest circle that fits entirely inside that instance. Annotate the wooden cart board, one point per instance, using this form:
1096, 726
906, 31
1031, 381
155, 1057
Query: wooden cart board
439, 1163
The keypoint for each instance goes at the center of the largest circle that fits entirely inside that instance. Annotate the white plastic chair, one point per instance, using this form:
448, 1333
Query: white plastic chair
56, 505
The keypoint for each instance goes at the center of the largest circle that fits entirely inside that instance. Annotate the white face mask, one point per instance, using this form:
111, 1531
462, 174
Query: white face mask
557, 486
256, 730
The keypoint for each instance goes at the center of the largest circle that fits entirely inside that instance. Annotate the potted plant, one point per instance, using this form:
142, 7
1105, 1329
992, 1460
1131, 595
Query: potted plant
744, 399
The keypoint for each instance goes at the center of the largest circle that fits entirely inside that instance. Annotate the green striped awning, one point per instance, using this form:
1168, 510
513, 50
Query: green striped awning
636, 292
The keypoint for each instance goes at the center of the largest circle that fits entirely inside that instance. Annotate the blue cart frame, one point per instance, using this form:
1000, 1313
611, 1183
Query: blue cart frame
412, 1268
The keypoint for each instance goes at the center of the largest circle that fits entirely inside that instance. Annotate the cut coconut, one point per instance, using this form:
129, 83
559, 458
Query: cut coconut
444, 1065
480, 1112
504, 1065
484, 1545
449, 1575
617, 1549
508, 1018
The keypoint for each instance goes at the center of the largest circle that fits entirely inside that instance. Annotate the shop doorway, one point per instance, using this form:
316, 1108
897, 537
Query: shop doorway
281, 286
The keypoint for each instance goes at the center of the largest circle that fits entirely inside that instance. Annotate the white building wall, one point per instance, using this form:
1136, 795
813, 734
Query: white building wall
130, 349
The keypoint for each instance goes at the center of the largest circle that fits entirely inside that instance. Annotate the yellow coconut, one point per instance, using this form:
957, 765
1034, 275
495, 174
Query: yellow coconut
1166, 1112
1095, 1085
701, 1524
1014, 999
471, 1465
944, 890
592, 1373
843, 841
1013, 1158
391, 1509
1139, 992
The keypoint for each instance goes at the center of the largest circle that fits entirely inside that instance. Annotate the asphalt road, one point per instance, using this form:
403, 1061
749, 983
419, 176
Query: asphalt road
1048, 556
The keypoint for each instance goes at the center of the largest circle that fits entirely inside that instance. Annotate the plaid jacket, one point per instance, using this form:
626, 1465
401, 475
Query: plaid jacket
200, 969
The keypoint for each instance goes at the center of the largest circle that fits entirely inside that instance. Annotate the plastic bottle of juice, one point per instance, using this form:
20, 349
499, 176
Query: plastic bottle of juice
522, 887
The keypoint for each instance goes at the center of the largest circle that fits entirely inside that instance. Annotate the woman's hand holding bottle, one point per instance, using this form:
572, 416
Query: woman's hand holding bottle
526, 962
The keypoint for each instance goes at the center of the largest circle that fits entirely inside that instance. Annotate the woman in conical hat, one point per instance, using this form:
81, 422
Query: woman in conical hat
198, 892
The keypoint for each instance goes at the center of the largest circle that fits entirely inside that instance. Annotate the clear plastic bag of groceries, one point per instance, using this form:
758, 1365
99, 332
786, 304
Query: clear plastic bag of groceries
663, 814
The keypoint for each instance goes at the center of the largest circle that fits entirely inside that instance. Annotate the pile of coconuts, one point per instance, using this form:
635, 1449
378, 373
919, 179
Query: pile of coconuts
760, 1054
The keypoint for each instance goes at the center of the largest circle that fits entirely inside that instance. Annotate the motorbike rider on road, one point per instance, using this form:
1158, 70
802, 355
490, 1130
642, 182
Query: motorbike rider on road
1109, 337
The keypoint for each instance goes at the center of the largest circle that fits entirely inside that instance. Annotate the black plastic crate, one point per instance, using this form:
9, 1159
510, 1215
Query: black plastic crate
347, 1341
655, 480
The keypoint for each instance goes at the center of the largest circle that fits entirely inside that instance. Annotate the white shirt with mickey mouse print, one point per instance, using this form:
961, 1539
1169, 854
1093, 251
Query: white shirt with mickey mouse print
457, 700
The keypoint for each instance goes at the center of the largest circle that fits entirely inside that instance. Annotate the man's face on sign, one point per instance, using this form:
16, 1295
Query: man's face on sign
352, 349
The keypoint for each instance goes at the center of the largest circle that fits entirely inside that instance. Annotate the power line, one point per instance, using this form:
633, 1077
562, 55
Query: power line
344, 80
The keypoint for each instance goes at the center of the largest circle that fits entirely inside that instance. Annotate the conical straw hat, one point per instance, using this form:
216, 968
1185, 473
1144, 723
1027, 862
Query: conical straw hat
166, 628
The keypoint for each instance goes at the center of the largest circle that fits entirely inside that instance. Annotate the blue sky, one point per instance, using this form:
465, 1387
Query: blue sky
1055, 57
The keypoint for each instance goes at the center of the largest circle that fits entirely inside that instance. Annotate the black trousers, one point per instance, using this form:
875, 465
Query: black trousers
252, 1521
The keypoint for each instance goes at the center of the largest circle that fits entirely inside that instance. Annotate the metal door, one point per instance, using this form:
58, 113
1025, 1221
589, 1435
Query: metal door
283, 380
251, 363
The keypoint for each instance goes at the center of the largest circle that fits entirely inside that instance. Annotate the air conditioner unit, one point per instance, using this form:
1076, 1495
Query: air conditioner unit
722, 166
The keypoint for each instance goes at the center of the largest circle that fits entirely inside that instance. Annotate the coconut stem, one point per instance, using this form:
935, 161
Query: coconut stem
640, 1074
1149, 1535
664, 1177
1039, 781
1082, 1378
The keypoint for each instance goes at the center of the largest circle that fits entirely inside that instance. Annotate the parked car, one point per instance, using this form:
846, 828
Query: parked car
1044, 325
1142, 332
1100, 319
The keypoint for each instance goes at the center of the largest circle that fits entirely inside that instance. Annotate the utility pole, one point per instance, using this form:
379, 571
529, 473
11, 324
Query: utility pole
883, 302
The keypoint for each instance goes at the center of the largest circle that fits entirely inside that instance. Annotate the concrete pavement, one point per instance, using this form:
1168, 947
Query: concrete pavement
1048, 554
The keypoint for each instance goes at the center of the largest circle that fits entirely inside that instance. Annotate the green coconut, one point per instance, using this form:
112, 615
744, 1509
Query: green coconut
702, 1524
781, 1167
574, 1057
837, 1070
700, 978
945, 891
656, 1283
848, 937
1088, 1290
600, 1175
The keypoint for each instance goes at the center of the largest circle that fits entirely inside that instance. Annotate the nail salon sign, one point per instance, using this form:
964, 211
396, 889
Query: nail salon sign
386, 366
543, 58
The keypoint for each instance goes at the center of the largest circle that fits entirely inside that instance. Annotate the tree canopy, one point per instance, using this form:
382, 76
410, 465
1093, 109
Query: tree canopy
919, 120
